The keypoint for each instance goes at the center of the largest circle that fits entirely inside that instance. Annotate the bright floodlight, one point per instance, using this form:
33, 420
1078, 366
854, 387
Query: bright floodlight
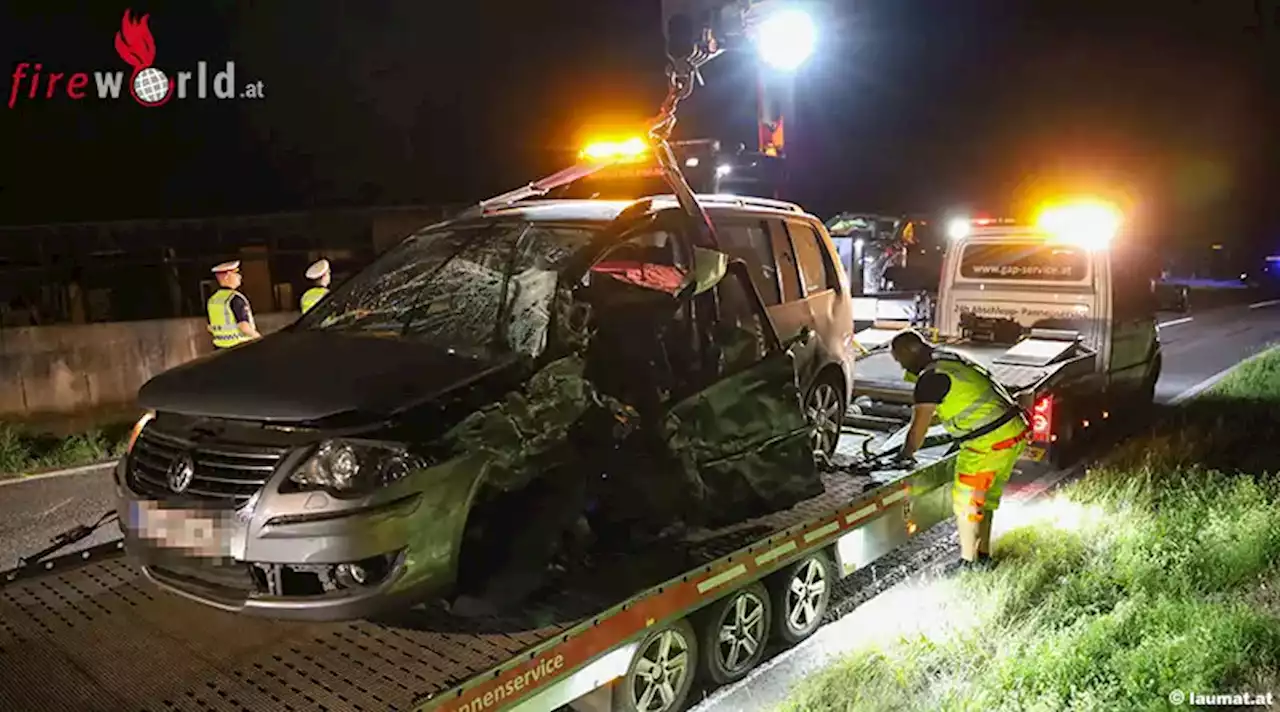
785, 39
959, 228
724, 170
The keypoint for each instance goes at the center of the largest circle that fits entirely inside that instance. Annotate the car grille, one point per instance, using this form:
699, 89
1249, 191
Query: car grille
225, 473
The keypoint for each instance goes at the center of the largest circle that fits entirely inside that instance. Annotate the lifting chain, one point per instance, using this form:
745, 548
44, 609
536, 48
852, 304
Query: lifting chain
682, 73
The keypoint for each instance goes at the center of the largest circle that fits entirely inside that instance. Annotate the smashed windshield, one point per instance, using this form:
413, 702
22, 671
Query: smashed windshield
480, 290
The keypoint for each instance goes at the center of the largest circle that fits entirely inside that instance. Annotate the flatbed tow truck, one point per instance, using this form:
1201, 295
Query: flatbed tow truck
86, 631
1062, 318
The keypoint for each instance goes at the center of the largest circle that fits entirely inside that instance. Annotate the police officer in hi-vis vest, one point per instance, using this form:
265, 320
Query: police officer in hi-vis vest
980, 416
230, 318
319, 274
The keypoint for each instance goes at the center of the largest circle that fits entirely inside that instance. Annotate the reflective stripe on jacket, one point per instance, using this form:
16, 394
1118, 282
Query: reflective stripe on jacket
974, 400
222, 321
311, 296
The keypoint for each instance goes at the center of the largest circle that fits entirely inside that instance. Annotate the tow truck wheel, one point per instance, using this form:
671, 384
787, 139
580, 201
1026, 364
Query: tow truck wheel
733, 632
1064, 447
801, 594
1148, 395
661, 672
824, 407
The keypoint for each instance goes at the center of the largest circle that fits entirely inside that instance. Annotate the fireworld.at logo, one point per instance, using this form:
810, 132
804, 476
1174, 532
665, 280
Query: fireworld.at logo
148, 85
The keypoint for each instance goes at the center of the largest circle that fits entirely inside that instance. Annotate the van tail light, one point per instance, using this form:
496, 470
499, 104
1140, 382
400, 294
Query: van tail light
1042, 419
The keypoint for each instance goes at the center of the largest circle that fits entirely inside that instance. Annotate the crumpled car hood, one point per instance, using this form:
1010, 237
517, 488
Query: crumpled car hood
306, 376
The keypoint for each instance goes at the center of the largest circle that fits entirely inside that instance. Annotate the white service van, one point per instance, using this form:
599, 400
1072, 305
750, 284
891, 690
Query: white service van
1064, 318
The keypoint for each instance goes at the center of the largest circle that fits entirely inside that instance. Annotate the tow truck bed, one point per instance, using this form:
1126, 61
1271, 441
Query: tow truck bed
99, 637
880, 377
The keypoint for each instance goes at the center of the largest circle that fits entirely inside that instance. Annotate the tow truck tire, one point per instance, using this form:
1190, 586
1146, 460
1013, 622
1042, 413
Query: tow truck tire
801, 593
825, 406
733, 633
1148, 394
661, 673
1064, 449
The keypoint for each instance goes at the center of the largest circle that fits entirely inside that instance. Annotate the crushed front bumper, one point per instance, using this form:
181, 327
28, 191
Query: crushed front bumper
299, 556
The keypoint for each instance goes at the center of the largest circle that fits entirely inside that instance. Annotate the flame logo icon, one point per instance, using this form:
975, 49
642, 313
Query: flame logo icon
135, 45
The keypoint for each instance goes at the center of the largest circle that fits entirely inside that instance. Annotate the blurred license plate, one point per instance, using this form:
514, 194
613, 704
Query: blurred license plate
190, 530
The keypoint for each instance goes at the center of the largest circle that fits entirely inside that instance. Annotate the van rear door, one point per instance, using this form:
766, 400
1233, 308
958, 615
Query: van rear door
1025, 279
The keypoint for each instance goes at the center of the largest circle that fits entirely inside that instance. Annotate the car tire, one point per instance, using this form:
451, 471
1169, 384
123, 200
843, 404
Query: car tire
824, 407
668, 651
733, 633
801, 593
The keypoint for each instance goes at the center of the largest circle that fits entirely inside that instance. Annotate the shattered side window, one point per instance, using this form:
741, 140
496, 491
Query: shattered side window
531, 291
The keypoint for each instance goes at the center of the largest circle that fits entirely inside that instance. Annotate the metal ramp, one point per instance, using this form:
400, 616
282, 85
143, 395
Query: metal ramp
102, 638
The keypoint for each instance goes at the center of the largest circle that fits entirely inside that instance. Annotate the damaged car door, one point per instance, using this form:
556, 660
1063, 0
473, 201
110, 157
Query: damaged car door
743, 437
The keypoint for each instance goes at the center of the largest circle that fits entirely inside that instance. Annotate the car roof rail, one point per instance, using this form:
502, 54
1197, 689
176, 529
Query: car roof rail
742, 201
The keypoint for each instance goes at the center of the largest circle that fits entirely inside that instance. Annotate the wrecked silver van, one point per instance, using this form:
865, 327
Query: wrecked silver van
491, 393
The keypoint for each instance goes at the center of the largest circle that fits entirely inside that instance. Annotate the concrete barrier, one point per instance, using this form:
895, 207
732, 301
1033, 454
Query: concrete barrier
66, 370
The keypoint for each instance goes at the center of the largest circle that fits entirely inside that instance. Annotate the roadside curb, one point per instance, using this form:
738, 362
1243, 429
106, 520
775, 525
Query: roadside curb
16, 478
1217, 378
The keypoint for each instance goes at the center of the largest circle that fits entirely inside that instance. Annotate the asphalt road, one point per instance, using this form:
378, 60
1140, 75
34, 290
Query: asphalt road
33, 511
1199, 345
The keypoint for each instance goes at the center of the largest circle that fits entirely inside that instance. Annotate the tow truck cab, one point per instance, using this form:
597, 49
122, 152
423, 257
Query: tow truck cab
1066, 324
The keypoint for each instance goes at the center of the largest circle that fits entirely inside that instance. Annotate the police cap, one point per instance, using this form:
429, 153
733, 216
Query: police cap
318, 269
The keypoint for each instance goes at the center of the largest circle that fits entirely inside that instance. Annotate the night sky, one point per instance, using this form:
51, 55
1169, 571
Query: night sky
910, 105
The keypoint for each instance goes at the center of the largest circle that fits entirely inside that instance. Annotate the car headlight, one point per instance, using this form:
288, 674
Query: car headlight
351, 467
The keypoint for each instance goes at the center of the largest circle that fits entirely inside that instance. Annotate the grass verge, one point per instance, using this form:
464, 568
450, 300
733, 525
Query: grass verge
23, 451
1159, 571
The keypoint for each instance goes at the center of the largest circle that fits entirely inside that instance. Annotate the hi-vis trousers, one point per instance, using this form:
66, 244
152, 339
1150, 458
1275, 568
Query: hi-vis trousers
981, 474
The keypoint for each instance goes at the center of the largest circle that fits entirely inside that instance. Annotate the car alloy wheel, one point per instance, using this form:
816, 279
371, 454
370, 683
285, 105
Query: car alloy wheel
733, 632
806, 597
662, 672
742, 633
824, 413
801, 593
